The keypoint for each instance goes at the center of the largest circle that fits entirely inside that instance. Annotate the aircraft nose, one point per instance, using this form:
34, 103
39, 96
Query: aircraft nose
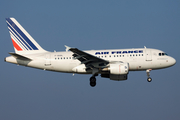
173, 61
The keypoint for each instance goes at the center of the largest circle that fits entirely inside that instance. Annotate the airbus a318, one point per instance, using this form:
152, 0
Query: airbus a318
114, 64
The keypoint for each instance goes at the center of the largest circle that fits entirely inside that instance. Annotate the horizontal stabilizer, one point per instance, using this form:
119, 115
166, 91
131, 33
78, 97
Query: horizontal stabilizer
17, 56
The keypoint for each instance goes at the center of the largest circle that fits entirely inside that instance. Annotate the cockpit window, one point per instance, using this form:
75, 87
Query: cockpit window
163, 54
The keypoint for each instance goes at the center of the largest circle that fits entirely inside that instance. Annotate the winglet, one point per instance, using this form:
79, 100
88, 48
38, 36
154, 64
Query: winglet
67, 48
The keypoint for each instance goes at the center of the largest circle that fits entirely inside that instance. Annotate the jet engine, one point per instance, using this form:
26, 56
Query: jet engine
117, 71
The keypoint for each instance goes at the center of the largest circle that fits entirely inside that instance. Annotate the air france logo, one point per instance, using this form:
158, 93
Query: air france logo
119, 52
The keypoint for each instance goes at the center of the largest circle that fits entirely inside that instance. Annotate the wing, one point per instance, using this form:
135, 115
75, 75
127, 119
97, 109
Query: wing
87, 59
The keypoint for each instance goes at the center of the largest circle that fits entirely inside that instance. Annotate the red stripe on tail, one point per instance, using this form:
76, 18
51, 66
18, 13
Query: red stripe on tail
16, 45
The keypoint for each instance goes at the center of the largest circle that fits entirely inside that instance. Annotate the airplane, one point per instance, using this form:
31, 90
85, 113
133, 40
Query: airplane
114, 64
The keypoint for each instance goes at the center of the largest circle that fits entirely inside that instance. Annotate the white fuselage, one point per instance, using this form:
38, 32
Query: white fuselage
138, 59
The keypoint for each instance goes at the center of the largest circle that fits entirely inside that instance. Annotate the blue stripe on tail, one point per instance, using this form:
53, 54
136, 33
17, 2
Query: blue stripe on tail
20, 40
25, 39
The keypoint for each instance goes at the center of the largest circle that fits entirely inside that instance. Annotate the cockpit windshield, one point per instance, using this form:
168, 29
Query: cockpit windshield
163, 54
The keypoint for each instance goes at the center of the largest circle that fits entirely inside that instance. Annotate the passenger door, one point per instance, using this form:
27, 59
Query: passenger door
148, 55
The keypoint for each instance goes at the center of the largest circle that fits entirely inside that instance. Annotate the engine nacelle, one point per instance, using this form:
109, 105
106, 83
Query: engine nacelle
119, 68
115, 77
117, 71
118, 77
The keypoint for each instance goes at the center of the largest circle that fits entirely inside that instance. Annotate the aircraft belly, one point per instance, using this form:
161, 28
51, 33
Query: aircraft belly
63, 66
140, 64
36, 64
135, 64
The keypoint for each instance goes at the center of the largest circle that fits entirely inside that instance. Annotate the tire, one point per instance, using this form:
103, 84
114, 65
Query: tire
149, 79
92, 81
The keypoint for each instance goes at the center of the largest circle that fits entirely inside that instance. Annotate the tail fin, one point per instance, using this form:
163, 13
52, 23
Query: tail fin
23, 42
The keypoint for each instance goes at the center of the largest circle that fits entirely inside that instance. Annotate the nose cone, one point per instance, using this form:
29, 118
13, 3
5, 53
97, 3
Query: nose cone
172, 61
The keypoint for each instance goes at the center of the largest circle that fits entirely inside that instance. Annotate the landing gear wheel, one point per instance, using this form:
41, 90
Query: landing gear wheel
93, 81
149, 79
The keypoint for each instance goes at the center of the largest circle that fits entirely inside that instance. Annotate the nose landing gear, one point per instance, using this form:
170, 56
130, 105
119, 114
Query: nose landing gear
149, 79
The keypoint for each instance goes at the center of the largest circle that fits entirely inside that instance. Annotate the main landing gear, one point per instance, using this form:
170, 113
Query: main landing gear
149, 79
93, 78
93, 81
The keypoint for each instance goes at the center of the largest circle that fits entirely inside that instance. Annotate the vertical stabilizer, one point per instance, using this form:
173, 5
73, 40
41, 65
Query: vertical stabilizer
22, 41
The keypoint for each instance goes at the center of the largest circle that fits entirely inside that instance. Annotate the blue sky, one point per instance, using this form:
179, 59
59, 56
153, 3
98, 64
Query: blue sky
28, 93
